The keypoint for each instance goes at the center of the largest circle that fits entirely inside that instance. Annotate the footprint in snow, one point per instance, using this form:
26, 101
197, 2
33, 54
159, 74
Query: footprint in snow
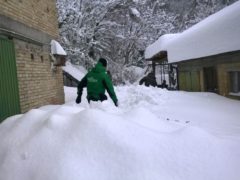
178, 121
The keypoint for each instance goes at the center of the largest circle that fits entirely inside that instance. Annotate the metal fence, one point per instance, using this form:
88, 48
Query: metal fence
167, 73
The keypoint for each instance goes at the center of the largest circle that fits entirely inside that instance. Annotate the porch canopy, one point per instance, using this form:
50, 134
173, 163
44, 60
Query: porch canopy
57, 49
219, 33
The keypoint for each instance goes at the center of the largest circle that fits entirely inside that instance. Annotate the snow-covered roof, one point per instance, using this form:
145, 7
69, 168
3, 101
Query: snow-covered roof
135, 12
159, 45
76, 71
56, 48
219, 33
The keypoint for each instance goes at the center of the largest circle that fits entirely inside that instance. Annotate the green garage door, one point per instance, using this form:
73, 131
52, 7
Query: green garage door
9, 94
189, 81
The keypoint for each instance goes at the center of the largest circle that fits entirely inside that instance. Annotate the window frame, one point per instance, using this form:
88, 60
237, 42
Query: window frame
234, 82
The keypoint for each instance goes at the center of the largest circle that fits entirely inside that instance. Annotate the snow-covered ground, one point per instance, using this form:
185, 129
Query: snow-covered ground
154, 134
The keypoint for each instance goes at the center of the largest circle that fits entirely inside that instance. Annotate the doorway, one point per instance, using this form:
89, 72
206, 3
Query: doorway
9, 94
210, 79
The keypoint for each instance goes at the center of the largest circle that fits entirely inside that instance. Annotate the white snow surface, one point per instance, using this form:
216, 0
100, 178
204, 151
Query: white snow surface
154, 134
219, 33
56, 48
76, 71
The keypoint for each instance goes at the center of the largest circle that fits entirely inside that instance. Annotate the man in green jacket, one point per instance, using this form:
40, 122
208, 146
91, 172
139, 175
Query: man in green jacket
97, 81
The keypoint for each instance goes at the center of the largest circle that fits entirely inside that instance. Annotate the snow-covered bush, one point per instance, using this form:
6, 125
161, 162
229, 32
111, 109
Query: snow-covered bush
132, 74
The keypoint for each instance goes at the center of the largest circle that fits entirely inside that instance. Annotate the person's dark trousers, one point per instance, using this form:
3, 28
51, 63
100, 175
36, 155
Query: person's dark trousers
102, 97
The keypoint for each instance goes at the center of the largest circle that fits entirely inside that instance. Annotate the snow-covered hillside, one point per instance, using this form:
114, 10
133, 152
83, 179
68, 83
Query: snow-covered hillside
154, 134
121, 30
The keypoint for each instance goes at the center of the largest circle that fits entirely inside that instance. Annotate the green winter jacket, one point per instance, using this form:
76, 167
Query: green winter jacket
97, 81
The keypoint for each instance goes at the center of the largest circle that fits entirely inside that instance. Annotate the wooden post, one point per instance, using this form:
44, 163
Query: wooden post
154, 67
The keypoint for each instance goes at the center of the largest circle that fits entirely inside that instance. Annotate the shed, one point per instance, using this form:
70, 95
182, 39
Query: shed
72, 74
163, 71
208, 54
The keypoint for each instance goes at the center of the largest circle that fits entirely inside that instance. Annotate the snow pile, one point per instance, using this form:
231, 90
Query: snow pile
219, 33
154, 134
56, 48
70, 94
76, 71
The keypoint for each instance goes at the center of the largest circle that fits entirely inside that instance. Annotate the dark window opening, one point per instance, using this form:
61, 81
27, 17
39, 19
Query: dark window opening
234, 81
42, 59
32, 56
210, 79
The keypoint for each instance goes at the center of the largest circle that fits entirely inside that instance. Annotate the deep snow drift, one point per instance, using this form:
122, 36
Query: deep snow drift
154, 134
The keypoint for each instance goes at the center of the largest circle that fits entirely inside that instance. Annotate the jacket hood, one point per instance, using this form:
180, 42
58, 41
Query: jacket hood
99, 68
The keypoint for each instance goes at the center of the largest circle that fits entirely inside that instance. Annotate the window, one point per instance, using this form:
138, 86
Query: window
234, 81
41, 59
32, 56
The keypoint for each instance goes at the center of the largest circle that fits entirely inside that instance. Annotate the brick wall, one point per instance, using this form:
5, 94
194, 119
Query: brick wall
34, 23
38, 84
37, 14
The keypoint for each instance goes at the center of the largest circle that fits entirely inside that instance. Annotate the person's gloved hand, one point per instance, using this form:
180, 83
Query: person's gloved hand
78, 100
116, 103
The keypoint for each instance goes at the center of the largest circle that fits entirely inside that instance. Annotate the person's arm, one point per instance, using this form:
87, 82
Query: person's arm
81, 85
109, 87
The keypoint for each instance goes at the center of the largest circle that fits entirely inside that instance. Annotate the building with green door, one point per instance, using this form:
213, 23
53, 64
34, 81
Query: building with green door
27, 77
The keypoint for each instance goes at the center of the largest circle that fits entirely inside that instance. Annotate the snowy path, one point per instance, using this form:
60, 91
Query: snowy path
147, 137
